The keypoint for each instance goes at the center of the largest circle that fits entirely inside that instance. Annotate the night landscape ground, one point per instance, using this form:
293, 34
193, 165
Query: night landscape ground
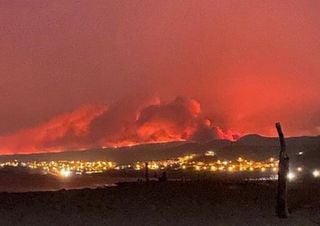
190, 197
203, 202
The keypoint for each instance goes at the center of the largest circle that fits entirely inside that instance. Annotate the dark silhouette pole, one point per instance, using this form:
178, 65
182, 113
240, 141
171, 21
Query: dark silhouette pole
146, 171
282, 208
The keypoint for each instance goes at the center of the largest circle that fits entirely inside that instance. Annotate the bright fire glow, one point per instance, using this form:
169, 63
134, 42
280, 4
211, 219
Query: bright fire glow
100, 126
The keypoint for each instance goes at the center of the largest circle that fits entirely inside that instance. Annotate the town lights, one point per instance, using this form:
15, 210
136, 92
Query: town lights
291, 176
316, 173
240, 159
299, 169
210, 153
66, 169
213, 168
65, 173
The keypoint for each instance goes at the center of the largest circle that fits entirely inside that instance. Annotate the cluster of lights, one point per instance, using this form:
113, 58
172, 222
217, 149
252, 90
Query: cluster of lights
64, 168
14, 163
234, 166
187, 162
292, 175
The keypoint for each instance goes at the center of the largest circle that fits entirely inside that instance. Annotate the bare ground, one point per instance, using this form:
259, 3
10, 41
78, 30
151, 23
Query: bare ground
169, 203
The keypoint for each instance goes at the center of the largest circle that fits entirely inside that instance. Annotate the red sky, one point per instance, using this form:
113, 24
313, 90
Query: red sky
248, 63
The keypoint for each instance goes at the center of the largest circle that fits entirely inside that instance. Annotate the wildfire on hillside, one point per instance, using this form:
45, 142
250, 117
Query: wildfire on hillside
114, 126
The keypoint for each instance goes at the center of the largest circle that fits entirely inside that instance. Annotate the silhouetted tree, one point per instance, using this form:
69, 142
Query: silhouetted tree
282, 208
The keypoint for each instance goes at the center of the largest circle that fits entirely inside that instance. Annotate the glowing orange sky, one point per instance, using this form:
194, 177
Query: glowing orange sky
248, 63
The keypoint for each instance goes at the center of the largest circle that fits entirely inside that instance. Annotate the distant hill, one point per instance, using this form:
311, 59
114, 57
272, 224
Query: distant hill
142, 152
251, 146
300, 149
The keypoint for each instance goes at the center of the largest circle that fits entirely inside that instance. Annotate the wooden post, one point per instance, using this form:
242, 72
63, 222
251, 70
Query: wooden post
282, 208
146, 171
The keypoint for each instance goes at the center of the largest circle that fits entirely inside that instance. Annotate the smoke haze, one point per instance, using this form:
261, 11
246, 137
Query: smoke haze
141, 69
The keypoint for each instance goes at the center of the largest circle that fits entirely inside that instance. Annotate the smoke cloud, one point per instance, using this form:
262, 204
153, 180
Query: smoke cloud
118, 125
249, 64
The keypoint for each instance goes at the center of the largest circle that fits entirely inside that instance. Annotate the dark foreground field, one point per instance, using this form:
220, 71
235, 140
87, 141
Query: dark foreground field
169, 203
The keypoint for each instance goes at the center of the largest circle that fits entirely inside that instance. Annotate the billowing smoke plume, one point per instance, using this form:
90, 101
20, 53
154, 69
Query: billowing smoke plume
66, 131
118, 125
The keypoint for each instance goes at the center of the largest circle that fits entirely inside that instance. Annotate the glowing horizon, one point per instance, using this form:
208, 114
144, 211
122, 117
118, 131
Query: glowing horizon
80, 74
